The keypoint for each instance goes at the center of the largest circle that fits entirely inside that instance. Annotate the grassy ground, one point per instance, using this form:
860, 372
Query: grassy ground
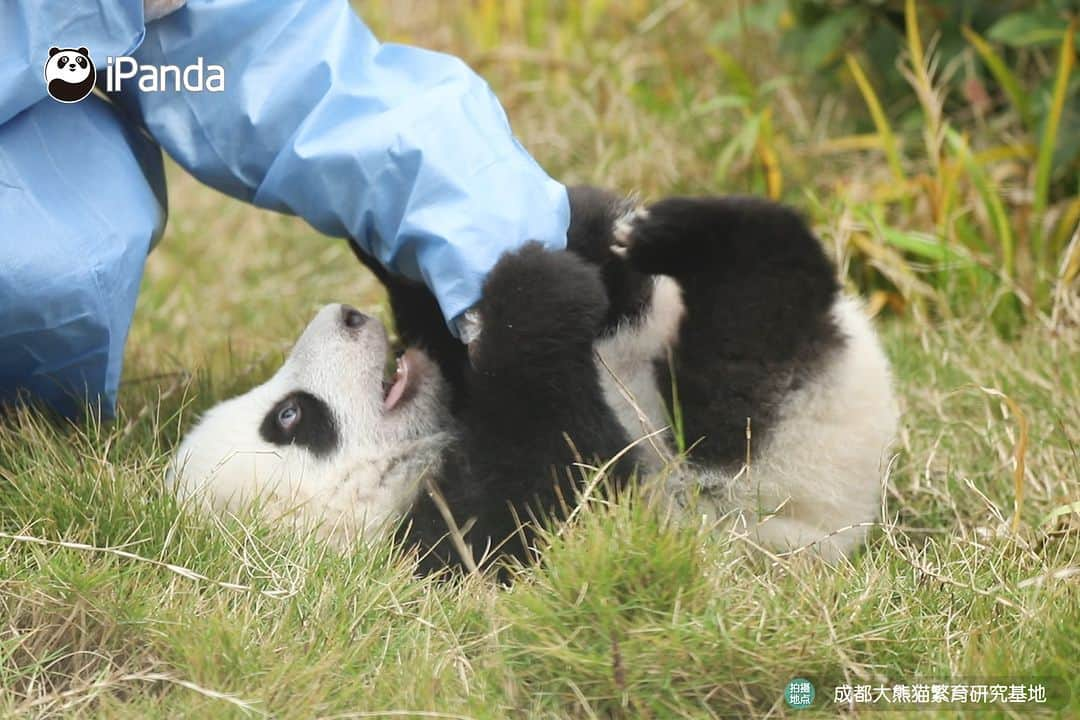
114, 601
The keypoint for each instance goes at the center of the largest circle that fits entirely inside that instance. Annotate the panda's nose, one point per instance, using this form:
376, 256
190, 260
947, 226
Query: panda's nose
352, 317
71, 66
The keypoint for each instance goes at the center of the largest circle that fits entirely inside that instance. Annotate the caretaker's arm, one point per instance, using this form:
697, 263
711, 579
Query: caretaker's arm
405, 151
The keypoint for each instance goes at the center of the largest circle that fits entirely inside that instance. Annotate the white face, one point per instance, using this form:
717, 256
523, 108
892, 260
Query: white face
68, 65
332, 439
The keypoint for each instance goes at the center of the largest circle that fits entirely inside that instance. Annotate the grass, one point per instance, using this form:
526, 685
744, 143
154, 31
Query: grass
116, 602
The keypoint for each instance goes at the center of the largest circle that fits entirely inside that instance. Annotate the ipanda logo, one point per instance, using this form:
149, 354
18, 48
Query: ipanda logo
70, 75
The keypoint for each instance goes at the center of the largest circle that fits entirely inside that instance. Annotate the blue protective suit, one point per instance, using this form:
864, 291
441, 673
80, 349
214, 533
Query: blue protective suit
405, 151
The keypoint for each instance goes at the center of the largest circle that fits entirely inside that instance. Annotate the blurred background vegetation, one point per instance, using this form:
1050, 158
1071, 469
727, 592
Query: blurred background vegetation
935, 144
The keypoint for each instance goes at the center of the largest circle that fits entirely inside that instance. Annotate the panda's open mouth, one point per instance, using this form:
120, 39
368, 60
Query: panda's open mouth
400, 385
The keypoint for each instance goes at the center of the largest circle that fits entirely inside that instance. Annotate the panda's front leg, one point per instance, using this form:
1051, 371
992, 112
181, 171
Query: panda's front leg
536, 408
539, 315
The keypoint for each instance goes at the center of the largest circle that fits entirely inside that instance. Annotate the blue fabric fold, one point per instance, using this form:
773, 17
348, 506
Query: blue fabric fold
81, 202
405, 152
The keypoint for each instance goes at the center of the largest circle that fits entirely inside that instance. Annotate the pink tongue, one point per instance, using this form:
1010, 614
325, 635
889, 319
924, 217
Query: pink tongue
401, 381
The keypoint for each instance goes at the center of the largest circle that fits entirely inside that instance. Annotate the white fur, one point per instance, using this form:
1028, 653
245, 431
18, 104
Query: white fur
368, 481
624, 225
820, 471
626, 365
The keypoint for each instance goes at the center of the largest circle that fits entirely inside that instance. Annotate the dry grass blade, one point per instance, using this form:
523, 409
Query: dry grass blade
601, 472
1066, 309
1060, 574
183, 572
920, 72
456, 535
643, 418
396, 714
76, 696
1019, 452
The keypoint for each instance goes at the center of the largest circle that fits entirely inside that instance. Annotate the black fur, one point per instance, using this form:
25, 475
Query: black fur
758, 291
315, 429
532, 388
757, 288
592, 219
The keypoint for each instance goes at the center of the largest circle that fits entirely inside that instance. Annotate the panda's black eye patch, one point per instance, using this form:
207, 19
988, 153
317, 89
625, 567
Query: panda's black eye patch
81, 61
303, 419
63, 60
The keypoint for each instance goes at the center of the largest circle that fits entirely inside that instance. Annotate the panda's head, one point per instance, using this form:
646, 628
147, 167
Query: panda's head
69, 74
337, 436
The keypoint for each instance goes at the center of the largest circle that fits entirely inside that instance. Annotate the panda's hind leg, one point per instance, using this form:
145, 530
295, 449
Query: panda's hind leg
732, 235
757, 290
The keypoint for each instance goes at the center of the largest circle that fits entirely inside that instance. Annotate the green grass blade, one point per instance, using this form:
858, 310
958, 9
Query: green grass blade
999, 219
1044, 164
1005, 77
915, 47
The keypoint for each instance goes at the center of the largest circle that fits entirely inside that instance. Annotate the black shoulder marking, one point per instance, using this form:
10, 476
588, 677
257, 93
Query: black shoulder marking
316, 429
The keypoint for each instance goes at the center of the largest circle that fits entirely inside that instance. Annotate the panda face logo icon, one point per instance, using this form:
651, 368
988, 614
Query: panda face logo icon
69, 74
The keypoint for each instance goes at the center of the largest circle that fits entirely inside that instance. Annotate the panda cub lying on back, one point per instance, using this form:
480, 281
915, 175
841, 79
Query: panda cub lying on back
733, 296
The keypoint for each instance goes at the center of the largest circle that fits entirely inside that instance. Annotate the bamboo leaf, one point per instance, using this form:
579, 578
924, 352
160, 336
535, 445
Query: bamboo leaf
924, 246
734, 73
1027, 28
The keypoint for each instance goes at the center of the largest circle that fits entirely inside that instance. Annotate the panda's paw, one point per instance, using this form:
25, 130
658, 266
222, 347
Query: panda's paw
672, 236
647, 237
537, 302
623, 231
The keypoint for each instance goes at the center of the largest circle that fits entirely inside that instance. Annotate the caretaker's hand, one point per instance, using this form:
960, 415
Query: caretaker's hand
405, 151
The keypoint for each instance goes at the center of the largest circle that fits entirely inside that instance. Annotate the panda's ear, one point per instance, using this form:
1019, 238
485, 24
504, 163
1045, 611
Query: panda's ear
53, 51
84, 51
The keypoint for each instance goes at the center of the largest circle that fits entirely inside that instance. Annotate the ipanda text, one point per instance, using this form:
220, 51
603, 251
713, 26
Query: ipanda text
197, 77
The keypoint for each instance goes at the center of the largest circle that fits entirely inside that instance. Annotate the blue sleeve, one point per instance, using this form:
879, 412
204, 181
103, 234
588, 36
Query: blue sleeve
406, 152
28, 28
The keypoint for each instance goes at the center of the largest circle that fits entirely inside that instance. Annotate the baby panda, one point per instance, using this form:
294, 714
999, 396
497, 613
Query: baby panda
69, 74
709, 310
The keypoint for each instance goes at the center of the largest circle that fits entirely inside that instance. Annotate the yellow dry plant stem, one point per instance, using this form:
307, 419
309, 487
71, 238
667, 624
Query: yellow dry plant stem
888, 138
